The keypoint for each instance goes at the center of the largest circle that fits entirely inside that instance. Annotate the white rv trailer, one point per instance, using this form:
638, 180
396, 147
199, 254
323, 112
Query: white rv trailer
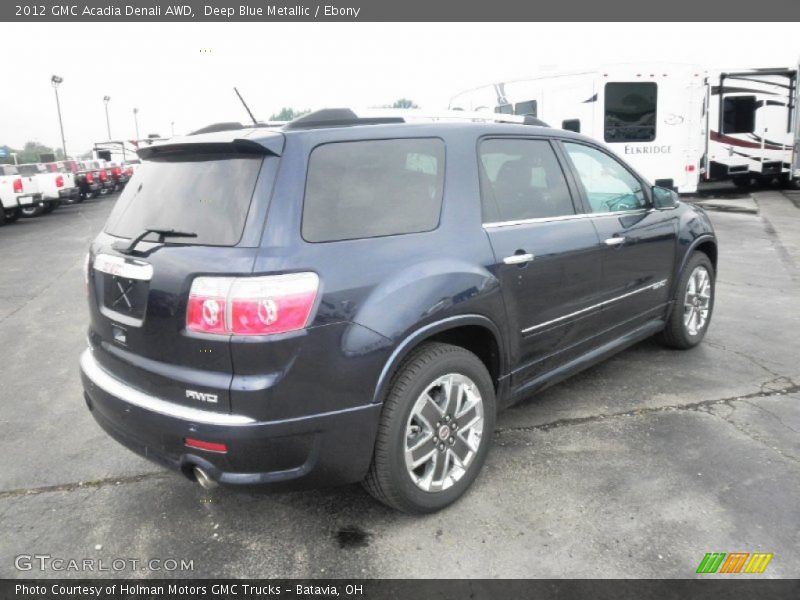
658, 116
752, 119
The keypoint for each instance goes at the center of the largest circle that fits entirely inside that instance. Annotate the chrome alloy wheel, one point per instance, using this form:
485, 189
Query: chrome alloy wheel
697, 301
443, 432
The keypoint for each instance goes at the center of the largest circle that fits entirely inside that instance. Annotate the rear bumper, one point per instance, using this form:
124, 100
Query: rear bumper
27, 200
325, 449
70, 192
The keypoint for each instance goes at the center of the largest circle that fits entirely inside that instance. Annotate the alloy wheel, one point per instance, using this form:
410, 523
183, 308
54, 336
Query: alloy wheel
697, 301
443, 432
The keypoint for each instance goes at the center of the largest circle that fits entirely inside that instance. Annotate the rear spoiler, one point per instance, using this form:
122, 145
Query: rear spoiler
271, 145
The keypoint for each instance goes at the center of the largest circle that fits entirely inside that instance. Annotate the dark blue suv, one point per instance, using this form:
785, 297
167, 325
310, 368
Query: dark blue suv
352, 299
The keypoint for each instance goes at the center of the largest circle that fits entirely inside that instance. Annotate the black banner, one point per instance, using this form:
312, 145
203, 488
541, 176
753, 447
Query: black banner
393, 10
477, 589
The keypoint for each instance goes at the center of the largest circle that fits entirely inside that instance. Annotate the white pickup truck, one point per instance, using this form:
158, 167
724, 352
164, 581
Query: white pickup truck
55, 187
17, 193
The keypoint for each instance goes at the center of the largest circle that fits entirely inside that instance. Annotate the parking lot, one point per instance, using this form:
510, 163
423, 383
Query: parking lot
635, 468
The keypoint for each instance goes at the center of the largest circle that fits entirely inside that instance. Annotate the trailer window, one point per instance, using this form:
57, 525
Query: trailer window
630, 112
571, 125
504, 109
527, 108
739, 114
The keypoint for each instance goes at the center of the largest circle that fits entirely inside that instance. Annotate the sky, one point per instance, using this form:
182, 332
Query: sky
185, 73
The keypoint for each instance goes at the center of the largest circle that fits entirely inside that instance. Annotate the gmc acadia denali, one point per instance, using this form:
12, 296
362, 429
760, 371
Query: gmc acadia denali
352, 299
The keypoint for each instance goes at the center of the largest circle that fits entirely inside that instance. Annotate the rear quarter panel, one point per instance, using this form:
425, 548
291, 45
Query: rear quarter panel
377, 292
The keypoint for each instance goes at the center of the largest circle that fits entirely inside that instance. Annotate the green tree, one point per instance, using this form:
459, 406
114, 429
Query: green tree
287, 114
404, 103
31, 152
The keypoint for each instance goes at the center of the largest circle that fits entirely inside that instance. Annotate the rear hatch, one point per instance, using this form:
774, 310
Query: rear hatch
30, 183
138, 295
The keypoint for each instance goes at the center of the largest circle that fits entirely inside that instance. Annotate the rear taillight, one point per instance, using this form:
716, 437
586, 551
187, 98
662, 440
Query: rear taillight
207, 304
129, 172
59, 181
203, 445
18, 186
251, 305
89, 178
116, 171
103, 176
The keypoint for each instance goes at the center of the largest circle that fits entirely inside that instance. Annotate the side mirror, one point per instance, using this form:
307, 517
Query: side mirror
664, 198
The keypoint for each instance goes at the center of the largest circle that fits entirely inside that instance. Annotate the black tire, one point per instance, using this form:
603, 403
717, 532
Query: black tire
51, 206
388, 479
790, 183
676, 334
32, 211
11, 215
742, 181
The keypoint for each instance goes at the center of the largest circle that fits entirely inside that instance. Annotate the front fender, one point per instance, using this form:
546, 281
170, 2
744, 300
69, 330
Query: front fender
694, 228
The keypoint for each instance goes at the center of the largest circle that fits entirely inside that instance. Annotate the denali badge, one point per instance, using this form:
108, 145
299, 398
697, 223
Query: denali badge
202, 397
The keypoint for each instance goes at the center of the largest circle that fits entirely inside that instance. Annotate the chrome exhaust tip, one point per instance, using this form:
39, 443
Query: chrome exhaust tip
204, 479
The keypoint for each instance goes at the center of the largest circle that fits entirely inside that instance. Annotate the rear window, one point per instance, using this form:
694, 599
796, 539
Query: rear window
28, 169
373, 188
207, 195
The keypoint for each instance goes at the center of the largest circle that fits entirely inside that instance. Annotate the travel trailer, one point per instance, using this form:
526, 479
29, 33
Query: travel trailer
678, 125
752, 120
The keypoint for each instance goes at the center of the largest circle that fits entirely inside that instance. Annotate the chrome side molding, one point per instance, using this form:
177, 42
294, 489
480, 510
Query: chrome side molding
652, 286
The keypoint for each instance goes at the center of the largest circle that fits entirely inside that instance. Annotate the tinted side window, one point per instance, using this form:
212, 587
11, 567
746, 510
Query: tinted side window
521, 179
373, 188
739, 114
609, 186
631, 112
571, 125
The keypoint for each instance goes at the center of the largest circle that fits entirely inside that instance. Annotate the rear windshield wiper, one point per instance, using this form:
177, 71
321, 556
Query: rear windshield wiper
163, 234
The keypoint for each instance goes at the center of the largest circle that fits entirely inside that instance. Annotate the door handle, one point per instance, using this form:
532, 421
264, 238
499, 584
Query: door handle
518, 259
615, 241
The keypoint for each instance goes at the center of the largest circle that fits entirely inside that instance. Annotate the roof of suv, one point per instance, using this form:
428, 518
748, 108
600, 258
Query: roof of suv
270, 138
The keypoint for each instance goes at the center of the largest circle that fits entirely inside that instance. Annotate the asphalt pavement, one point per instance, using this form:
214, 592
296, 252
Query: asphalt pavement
634, 468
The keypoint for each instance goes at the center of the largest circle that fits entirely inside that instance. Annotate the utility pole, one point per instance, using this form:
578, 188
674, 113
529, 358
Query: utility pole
136, 121
106, 99
56, 81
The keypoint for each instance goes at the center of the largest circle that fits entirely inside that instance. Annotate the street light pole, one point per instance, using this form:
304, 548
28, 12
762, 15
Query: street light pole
106, 99
136, 121
56, 80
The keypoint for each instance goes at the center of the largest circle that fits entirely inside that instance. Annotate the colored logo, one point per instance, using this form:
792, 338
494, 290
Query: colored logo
734, 562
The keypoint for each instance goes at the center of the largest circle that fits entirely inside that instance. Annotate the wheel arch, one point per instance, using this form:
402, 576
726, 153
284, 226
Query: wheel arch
476, 333
707, 244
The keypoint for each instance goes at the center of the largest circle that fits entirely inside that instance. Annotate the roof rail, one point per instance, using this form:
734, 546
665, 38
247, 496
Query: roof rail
336, 117
416, 114
234, 125
342, 117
